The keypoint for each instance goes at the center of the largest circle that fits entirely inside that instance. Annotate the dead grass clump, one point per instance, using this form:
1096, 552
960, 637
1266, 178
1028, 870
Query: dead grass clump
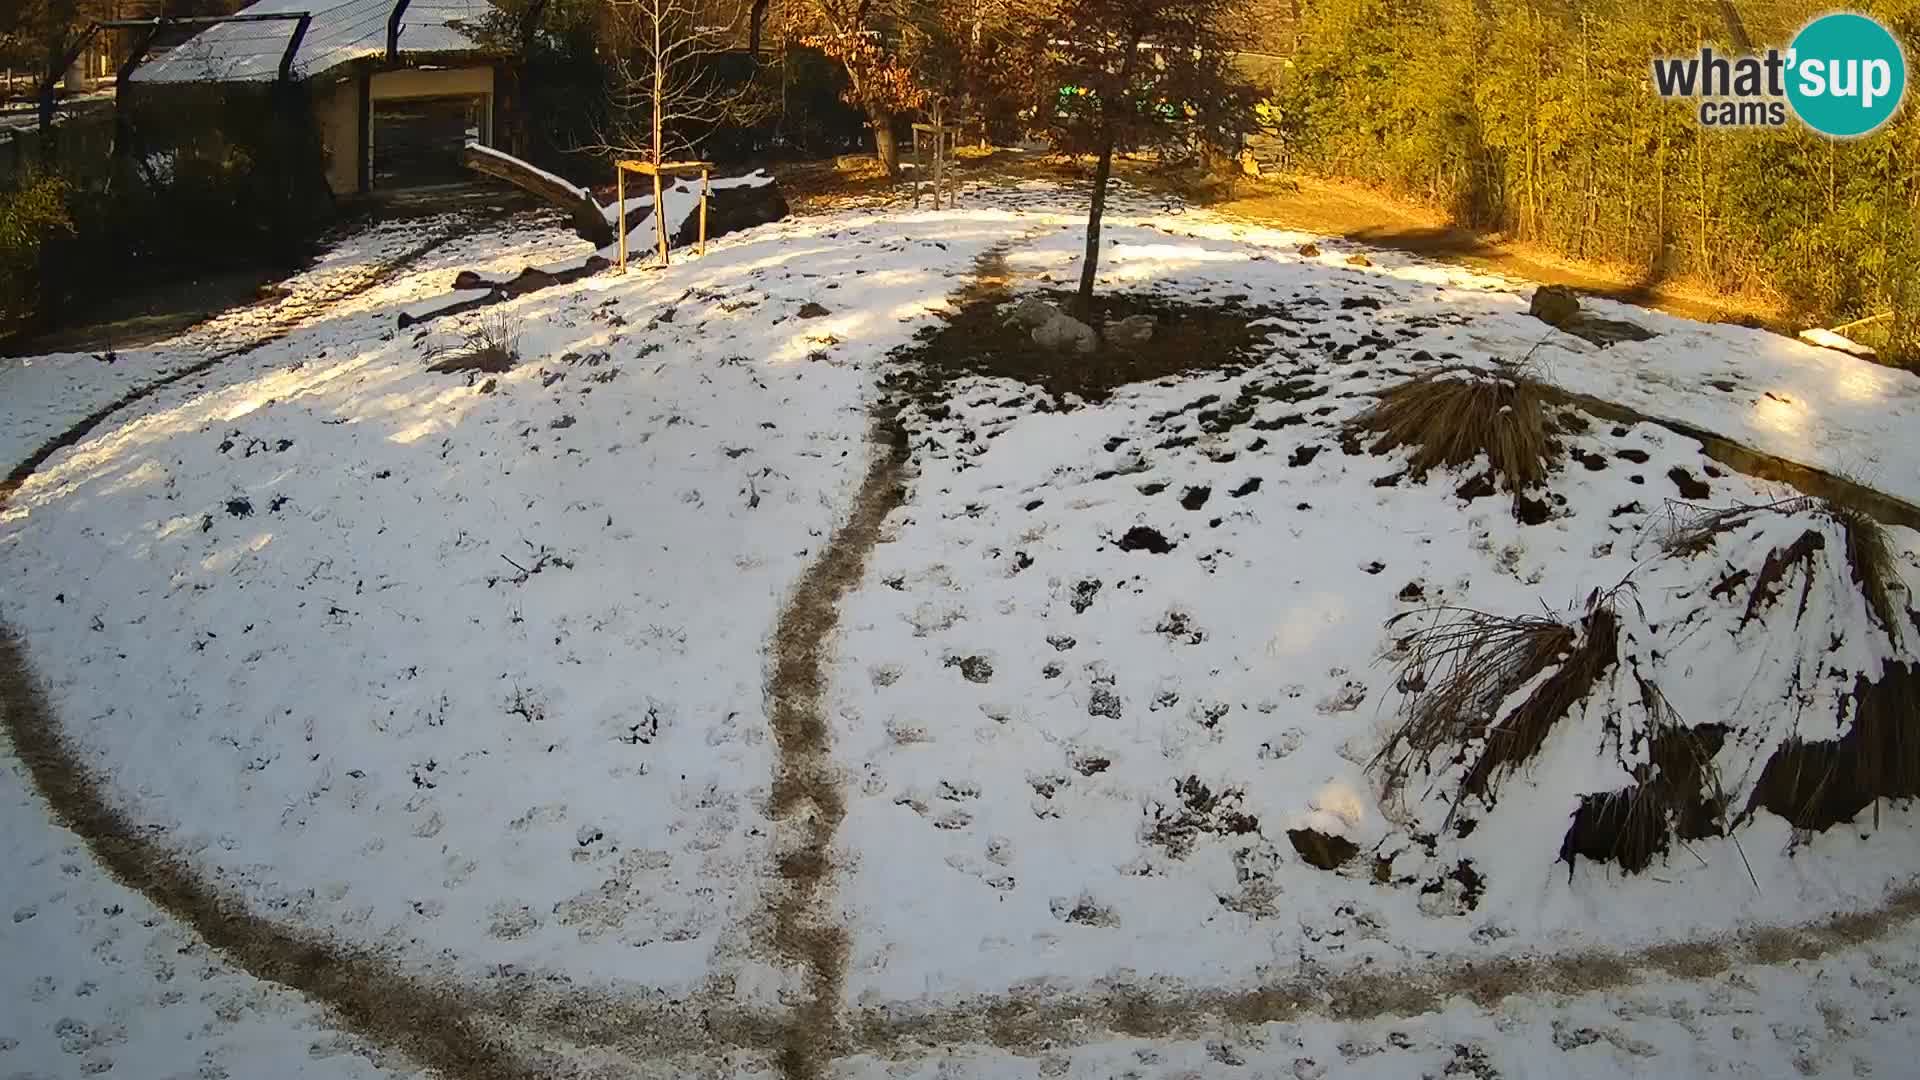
1816, 785
492, 347
1769, 582
1455, 416
1677, 795
1870, 557
1692, 530
1457, 673
1516, 739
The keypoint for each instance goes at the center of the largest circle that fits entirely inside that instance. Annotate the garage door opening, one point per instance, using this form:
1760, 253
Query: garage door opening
417, 141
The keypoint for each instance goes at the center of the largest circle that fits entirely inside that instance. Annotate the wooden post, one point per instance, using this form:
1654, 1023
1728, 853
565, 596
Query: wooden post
916, 166
660, 217
939, 143
704, 188
620, 193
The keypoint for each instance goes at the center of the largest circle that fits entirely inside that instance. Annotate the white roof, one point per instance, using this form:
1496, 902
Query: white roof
341, 30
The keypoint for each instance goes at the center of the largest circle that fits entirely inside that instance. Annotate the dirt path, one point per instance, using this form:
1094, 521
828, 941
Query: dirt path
807, 802
431, 1025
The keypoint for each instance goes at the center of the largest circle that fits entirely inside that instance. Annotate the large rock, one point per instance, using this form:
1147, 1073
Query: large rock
1064, 333
1031, 312
1554, 304
1131, 332
731, 209
1559, 307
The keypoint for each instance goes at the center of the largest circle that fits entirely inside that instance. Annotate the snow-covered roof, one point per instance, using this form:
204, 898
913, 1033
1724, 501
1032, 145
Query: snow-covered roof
341, 30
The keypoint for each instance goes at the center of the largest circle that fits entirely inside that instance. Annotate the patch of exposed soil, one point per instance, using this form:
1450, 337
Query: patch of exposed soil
1197, 810
1323, 850
1142, 538
1188, 337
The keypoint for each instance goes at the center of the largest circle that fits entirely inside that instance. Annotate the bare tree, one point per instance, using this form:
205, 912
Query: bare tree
668, 92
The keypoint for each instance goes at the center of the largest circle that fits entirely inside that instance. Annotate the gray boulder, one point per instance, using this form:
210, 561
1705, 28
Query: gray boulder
1031, 312
1064, 333
1132, 331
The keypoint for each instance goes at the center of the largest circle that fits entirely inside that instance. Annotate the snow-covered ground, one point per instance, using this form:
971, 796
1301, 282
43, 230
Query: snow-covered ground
469, 670
1043, 707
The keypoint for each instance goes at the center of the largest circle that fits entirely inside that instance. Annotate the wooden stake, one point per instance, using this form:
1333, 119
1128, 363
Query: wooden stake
620, 192
660, 218
704, 188
939, 143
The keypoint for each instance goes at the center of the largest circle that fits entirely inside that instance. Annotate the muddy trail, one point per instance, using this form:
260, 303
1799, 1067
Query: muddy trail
807, 801
429, 1025
530, 1024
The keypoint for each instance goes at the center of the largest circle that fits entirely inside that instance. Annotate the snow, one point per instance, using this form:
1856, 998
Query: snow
692, 462
341, 31
470, 671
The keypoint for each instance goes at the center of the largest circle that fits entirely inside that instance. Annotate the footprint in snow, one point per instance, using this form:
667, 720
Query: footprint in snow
1345, 699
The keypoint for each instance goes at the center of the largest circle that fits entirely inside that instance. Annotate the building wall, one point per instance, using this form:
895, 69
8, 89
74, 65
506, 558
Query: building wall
336, 109
432, 82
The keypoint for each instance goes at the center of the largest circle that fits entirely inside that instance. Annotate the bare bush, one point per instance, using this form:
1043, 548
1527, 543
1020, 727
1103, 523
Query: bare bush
492, 346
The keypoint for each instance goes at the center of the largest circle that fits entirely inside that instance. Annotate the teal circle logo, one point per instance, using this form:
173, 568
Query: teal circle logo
1846, 74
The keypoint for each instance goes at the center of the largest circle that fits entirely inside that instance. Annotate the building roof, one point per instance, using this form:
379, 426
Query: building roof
341, 31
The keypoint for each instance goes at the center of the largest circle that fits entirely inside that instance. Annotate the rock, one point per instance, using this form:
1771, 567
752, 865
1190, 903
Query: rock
729, 210
811, 310
1604, 332
1132, 331
1065, 333
1310, 249
1357, 259
1553, 304
1559, 307
1032, 311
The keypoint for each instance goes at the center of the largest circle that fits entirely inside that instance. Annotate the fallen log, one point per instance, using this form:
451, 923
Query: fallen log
588, 219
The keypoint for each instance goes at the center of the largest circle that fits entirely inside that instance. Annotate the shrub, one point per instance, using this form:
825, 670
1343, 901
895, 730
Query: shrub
30, 216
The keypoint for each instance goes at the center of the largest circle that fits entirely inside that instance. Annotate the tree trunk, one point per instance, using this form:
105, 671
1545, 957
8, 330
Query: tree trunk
1090, 268
885, 146
1102, 172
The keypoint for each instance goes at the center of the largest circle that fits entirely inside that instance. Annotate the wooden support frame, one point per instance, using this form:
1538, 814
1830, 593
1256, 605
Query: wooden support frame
944, 137
666, 169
